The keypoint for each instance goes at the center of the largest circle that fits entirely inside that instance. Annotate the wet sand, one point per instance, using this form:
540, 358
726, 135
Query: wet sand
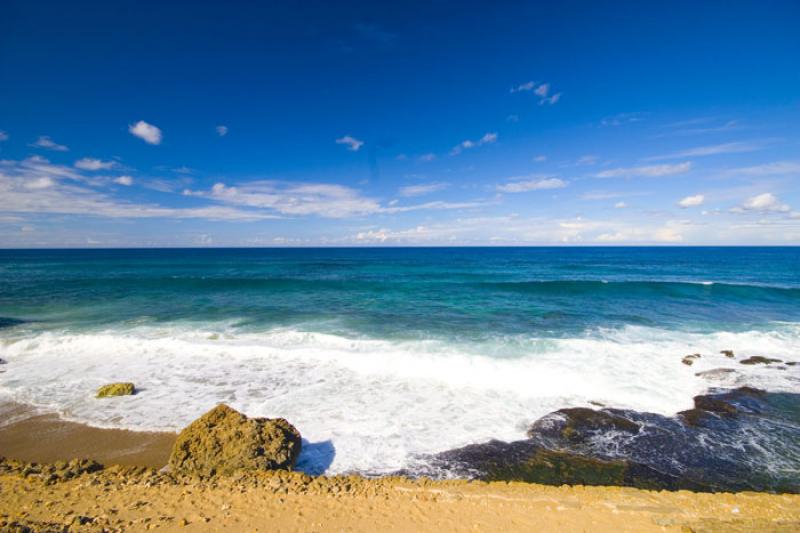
46, 438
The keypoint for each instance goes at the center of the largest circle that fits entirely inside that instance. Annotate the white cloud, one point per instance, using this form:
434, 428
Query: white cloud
36, 186
124, 180
652, 171
3, 135
352, 143
488, 138
587, 160
222, 131
47, 143
542, 90
427, 157
702, 151
532, 185
692, 201
147, 132
420, 190
620, 205
765, 202
89, 163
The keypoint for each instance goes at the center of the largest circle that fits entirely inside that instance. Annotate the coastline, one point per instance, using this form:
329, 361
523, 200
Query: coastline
131, 494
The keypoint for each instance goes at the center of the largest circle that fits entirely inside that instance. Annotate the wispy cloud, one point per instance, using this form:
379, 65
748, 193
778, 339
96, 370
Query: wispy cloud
3, 136
622, 118
35, 186
716, 149
487, 138
90, 163
147, 132
651, 171
47, 143
374, 32
124, 180
351, 142
422, 189
536, 184
427, 157
542, 90
222, 131
691, 201
777, 168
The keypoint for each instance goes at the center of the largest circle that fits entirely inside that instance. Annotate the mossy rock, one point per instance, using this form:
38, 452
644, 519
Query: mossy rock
224, 441
116, 389
557, 468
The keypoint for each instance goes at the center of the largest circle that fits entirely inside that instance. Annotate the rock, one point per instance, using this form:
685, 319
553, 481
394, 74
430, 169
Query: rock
579, 423
757, 359
727, 353
716, 373
689, 359
791, 363
116, 389
224, 440
526, 461
718, 404
3, 361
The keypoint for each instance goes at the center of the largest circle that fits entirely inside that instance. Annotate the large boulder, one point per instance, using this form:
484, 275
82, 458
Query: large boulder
224, 440
116, 389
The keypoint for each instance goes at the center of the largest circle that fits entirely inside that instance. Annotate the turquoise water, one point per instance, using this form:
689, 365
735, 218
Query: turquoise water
385, 354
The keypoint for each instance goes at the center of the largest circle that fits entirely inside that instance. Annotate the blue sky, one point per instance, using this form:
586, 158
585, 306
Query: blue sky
350, 124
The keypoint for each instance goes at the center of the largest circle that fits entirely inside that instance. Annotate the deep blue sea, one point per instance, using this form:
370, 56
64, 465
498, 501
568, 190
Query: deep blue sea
387, 354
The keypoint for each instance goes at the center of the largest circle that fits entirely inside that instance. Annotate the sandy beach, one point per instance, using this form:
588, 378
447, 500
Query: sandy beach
130, 494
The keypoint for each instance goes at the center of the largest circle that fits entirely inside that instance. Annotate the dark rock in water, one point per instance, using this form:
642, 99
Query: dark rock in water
696, 417
580, 423
528, 461
759, 360
791, 363
714, 405
716, 373
733, 440
727, 353
689, 359
3, 361
224, 440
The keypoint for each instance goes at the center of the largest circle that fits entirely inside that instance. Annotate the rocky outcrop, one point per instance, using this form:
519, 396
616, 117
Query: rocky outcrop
689, 359
224, 441
727, 353
578, 424
707, 406
116, 389
759, 360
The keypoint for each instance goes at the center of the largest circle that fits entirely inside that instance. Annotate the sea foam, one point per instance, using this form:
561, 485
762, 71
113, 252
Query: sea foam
373, 406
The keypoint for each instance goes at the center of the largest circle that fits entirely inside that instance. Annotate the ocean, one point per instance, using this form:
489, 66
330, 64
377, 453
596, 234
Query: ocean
384, 356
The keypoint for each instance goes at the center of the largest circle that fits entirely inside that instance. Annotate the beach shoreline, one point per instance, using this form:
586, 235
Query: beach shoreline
132, 493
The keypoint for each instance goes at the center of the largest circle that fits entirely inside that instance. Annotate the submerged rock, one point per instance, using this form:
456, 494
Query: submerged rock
116, 389
759, 360
3, 361
716, 373
224, 440
727, 353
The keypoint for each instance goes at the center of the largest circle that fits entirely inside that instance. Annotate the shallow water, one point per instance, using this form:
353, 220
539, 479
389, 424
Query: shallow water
380, 356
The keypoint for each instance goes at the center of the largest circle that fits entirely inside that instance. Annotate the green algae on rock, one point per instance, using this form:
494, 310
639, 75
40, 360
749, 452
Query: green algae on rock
116, 389
224, 441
